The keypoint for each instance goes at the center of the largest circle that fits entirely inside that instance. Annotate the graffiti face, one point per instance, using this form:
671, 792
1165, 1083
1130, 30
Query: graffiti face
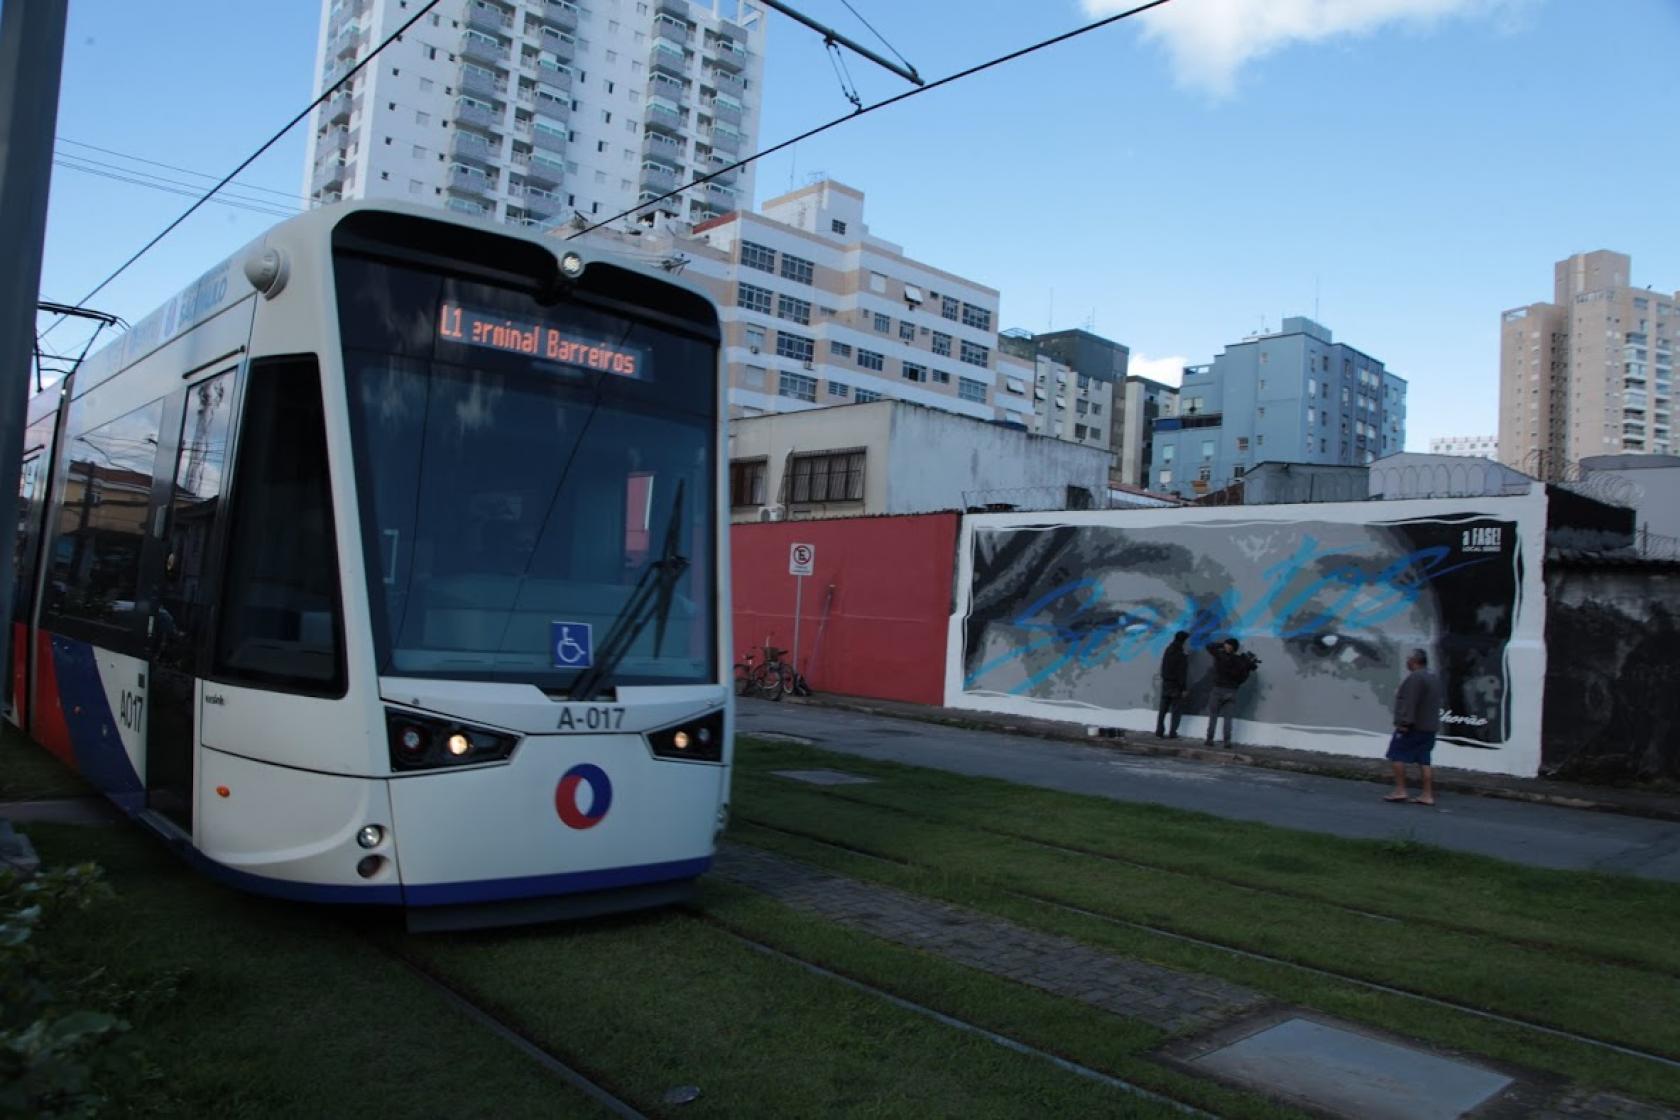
1080, 614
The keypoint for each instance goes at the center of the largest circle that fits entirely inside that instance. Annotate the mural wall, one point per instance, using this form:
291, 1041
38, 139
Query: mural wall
1065, 616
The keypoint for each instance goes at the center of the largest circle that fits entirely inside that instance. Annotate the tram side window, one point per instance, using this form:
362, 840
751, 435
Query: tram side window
94, 570
281, 622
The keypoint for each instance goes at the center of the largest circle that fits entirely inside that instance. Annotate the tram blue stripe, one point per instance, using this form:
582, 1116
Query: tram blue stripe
536, 886
384, 895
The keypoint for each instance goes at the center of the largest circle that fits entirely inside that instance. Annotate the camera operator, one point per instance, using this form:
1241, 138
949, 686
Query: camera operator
1231, 668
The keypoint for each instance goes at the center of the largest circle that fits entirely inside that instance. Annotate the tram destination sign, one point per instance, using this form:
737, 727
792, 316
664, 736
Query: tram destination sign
471, 327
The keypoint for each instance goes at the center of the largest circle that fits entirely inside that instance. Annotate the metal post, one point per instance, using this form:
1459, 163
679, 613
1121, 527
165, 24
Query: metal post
31, 54
798, 606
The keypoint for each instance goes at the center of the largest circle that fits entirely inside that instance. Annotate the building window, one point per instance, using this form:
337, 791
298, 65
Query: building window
1242, 443
1207, 449
797, 310
914, 372
758, 256
1096, 408
906, 330
864, 396
831, 477
835, 225
942, 344
840, 349
1082, 407
1167, 452
797, 268
795, 346
971, 390
883, 323
1312, 386
1204, 473
752, 297
975, 355
839, 389
798, 386
868, 359
942, 376
949, 307
1079, 431
1166, 478
746, 482
978, 317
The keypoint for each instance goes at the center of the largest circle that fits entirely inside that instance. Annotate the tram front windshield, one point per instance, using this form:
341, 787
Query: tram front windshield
536, 483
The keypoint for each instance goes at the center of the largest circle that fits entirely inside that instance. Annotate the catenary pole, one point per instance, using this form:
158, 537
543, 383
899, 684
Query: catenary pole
31, 57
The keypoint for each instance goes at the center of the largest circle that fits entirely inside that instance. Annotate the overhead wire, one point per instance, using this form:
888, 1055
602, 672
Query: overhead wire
989, 64
175, 187
877, 34
254, 156
290, 196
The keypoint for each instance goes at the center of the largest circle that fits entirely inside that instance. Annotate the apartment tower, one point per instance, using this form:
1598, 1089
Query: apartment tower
1591, 373
532, 111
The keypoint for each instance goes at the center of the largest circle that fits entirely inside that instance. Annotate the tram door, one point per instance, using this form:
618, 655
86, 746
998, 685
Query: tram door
181, 610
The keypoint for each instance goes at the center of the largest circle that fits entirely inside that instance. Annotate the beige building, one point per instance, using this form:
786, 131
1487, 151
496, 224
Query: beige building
1591, 373
1066, 404
817, 311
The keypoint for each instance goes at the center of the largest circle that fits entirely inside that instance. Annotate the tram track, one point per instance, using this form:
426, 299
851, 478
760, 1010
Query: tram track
1535, 944
1245, 954
513, 1035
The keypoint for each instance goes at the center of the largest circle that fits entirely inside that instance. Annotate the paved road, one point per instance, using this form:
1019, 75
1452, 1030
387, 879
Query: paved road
1540, 835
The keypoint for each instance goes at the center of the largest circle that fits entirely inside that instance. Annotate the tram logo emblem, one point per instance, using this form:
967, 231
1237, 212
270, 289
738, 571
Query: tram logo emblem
573, 644
566, 796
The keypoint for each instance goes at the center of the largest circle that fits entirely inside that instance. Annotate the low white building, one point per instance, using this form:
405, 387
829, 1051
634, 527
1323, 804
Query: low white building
894, 457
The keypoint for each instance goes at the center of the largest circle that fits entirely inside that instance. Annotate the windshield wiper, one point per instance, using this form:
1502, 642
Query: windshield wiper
650, 600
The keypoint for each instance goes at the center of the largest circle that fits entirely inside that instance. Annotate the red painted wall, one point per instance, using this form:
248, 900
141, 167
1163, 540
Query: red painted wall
884, 584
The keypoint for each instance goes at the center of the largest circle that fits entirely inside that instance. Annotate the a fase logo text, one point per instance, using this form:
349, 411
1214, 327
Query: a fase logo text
1484, 539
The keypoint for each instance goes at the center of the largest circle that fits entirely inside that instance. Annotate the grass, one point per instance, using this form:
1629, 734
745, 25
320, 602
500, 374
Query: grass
29, 772
281, 1011
962, 862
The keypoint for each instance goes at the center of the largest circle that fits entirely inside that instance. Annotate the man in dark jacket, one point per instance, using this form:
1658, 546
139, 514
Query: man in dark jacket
1417, 719
1230, 669
1175, 682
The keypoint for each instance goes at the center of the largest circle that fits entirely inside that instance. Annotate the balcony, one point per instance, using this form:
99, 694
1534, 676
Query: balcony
657, 179
465, 206
675, 8
672, 32
551, 107
538, 170
663, 119
349, 42
725, 82
469, 114
559, 15
727, 142
548, 140
662, 148
470, 147
483, 49
541, 204
488, 17
468, 184
340, 107
554, 76
724, 111
328, 176
725, 178
482, 83
728, 56
562, 47
667, 58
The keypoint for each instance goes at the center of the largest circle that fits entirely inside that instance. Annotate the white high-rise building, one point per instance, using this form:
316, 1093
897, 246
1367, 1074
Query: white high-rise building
536, 110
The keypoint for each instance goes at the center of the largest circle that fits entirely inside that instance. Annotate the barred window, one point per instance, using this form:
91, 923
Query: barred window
942, 344
798, 386
752, 298
758, 256
973, 316
975, 355
914, 372
883, 323
948, 307
828, 477
942, 376
795, 346
868, 359
840, 349
797, 268
839, 389
971, 390
798, 310
906, 330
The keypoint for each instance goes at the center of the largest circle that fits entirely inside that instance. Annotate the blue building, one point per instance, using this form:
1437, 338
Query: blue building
1295, 396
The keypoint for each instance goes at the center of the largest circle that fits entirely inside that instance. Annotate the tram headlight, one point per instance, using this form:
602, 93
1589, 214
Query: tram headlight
696, 740
370, 835
426, 743
571, 265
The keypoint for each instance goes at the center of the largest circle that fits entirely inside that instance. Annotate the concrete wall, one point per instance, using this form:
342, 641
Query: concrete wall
1414, 474
774, 436
944, 462
874, 611
1612, 711
1649, 483
1065, 617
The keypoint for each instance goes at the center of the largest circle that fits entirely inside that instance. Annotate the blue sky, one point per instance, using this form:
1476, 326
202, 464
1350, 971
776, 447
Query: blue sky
1176, 185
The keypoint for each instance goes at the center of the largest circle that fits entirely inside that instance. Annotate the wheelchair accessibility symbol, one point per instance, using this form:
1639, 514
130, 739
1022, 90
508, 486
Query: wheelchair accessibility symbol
573, 645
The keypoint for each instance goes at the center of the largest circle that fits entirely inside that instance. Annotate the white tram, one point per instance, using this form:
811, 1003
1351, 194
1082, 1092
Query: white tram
387, 564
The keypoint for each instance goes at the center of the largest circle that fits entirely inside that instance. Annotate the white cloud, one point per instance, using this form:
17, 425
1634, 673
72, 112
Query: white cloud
1210, 40
1169, 371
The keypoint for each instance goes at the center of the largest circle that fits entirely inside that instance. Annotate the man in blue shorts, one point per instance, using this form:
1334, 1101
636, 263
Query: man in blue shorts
1417, 717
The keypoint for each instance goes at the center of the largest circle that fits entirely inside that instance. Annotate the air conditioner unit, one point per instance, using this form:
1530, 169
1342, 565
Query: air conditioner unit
754, 349
772, 513
810, 365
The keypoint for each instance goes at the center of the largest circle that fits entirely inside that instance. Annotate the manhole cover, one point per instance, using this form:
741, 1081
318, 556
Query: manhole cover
1350, 1074
823, 777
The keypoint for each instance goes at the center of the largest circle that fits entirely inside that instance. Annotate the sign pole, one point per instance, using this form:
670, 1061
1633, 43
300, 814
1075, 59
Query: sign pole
801, 559
798, 606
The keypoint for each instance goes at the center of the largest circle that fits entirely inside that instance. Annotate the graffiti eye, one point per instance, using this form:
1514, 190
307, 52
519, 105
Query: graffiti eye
1338, 650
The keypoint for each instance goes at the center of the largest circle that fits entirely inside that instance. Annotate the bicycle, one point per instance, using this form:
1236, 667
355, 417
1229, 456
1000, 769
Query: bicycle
767, 678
